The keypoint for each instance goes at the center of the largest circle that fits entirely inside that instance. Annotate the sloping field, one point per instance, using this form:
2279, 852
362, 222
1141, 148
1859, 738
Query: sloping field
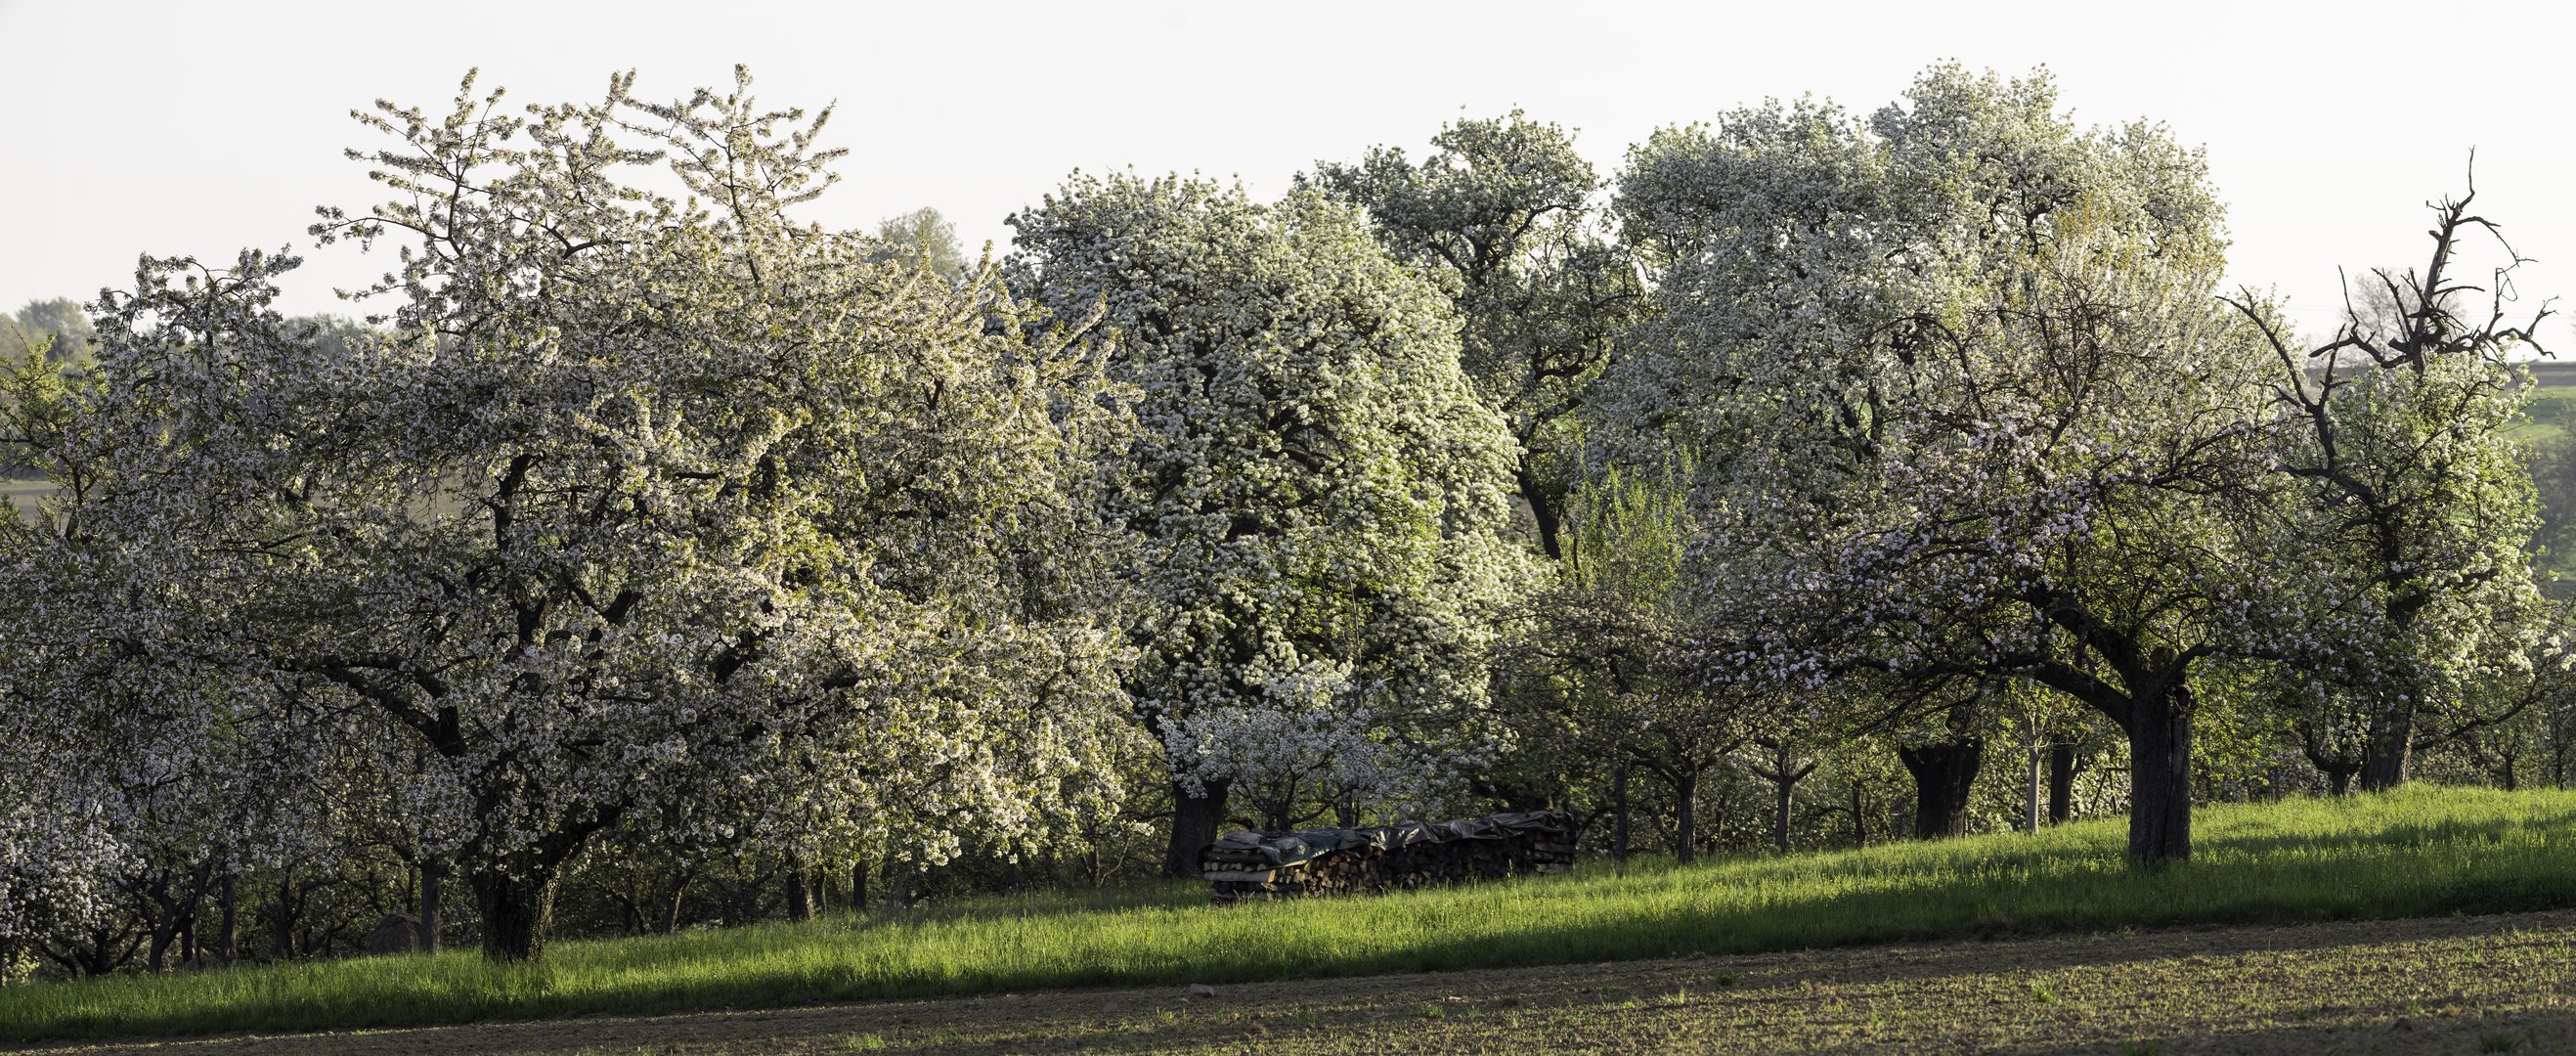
2423, 852
23, 494
2448, 985
2553, 406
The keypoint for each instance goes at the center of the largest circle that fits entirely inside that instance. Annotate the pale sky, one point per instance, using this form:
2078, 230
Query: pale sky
200, 128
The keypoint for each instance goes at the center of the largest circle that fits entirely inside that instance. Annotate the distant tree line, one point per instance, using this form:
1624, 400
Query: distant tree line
650, 558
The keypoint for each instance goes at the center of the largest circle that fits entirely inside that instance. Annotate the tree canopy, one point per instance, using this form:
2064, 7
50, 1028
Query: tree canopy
647, 542
642, 509
1321, 499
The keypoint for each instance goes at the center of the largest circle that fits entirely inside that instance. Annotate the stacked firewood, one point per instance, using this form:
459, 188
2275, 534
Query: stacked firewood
1253, 866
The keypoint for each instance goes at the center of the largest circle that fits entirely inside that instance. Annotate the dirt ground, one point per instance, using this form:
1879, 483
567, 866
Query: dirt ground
2453, 985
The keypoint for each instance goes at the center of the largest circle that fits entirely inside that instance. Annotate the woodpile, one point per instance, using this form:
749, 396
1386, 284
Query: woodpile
1255, 866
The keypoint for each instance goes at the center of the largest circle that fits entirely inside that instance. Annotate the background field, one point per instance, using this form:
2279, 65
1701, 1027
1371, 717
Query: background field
2553, 408
23, 493
2421, 852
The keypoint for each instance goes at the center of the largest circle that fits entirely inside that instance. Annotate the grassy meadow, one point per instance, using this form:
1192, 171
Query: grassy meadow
2414, 853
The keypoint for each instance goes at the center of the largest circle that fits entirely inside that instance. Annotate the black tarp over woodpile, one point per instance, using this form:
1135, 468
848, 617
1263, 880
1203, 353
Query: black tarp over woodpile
1255, 865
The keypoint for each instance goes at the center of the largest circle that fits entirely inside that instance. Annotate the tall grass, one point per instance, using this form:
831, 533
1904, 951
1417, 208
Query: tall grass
2418, 852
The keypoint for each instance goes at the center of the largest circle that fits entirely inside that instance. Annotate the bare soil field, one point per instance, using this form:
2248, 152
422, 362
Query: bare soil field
2455, 985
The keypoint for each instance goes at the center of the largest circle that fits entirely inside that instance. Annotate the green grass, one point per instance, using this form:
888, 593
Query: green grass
2419, 852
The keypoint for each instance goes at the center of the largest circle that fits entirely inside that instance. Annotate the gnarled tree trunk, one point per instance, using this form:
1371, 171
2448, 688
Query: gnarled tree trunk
1543, 511
800, 890
1685, 814
518, 912
2339, 778
1943, 774
899, 877
1784, 796
1194, 824
1619, 814
1784, 773
2153, 704
2062, 769
2037, 765
2160, 730
2391, 750
516, 893
228, 939
433, 875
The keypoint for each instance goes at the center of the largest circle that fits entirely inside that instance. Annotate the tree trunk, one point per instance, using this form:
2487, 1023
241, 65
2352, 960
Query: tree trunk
2339, 767
2031, 818
432, 875
1542, 510
679, 891
281, 934
2061, 781
800, 891
188, 951
1787, 793
859, 886
2391, 750
1686, 816
228, 941
517, 913
1784, 773
158, 961
2159, 729
2339, 779
1194, 824
630, 899
176, 900
1943, 775
1619, 814
898, 885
